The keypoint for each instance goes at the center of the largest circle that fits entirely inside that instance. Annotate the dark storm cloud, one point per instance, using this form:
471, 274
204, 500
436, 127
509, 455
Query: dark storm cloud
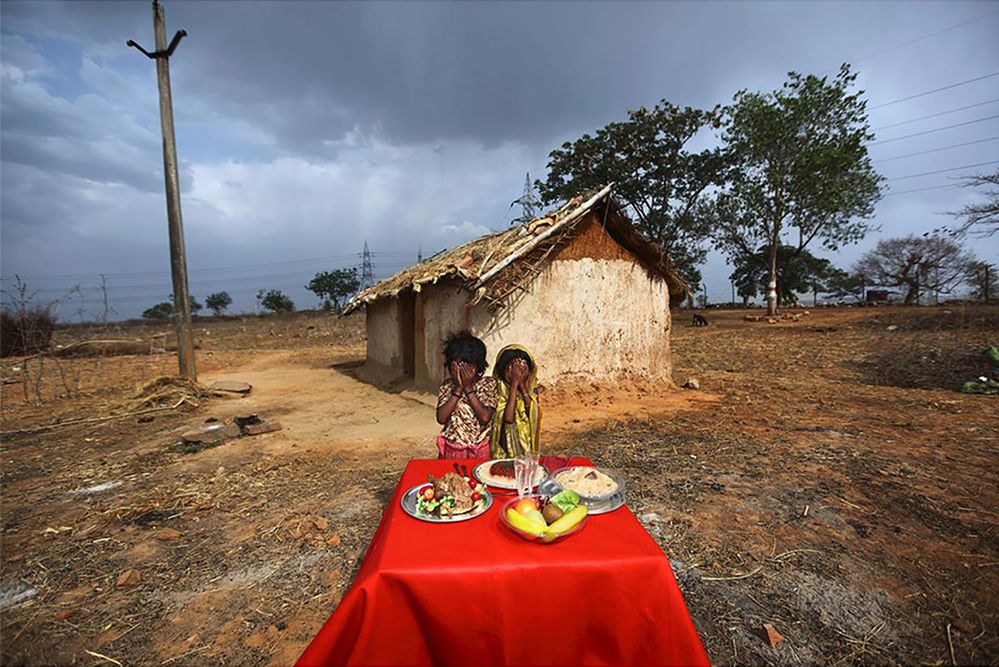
324, 125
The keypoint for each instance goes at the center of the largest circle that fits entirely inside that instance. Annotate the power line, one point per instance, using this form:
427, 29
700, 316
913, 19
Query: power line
938, 129
932, 187
943, 171
47, 276
934, 115
935, 90
927, 36
936, 150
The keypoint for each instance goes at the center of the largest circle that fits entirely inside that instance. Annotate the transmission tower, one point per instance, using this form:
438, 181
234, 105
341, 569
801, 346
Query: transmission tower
367, 277
419, 255
529, 203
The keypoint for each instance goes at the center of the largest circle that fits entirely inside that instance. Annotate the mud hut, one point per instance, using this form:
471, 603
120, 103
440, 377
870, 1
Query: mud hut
579, 287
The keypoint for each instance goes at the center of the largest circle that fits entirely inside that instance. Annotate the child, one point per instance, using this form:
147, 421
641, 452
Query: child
517, 421
466, 400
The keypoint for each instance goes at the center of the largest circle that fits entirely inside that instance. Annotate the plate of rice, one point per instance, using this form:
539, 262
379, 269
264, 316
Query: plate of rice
590, 482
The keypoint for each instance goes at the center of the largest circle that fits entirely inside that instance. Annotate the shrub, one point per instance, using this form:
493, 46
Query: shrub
25, 331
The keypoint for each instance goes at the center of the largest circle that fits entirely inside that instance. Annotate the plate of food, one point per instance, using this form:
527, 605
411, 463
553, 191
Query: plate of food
601, 490
499, 474
447, 499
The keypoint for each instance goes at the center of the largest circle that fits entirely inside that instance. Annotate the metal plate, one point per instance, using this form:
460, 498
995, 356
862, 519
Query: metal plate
550, 488
512, 484
408, 503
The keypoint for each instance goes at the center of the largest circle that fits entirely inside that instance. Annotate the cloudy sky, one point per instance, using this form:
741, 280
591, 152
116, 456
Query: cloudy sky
306, 129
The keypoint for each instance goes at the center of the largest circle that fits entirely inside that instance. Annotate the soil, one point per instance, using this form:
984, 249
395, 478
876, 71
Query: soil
825, 479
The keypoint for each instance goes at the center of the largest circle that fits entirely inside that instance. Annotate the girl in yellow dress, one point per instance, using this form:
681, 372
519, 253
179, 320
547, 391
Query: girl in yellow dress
517, 420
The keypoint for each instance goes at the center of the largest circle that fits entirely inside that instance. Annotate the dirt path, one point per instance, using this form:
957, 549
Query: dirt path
327, 407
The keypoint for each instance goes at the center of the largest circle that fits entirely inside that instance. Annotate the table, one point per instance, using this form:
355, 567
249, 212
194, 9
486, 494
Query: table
473, 593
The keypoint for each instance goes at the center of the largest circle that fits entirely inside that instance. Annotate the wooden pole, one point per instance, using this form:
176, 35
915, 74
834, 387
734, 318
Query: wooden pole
175, 221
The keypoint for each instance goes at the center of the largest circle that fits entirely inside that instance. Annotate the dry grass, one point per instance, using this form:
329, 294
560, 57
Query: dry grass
859, 519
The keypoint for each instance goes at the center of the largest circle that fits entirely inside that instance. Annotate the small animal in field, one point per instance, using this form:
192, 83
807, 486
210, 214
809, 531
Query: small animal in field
699, 321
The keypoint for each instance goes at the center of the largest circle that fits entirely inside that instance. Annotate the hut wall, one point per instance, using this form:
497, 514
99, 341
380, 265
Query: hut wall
385, 343
441, 310
593, 315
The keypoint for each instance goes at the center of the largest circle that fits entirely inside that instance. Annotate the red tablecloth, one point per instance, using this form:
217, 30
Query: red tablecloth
473, 593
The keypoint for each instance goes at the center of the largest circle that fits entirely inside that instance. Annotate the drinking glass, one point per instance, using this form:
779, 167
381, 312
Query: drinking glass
525, 472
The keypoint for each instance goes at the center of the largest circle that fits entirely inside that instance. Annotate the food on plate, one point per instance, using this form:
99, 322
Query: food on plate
500, 473
588, 482
449, 494
550, 523
502, 469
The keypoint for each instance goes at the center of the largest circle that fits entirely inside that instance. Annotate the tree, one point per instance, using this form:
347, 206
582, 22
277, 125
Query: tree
980, 219
797, 272
840, 284
799, 168
334, 286
915, 263
983, 279
275, 301
662, 183
161, 311
218, 302
193, 305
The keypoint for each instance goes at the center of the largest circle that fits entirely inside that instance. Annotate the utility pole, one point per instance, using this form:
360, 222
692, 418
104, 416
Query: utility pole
175, 222
986, 284
732, 282
367, 275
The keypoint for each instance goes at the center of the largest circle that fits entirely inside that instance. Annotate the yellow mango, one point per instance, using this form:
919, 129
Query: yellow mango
520, 522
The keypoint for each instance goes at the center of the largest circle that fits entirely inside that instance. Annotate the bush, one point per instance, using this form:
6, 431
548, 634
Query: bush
25, 331
275, 301
161, 311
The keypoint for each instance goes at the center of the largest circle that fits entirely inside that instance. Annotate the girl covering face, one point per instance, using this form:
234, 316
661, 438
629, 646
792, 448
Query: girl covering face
466, 400
517, 421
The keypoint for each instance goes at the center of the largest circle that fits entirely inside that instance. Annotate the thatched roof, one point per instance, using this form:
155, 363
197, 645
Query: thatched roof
493, 266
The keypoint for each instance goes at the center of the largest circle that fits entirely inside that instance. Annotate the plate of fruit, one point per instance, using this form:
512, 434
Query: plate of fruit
499, 474
545, 520
448, 498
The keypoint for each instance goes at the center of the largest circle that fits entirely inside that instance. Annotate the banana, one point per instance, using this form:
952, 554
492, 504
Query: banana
568, 521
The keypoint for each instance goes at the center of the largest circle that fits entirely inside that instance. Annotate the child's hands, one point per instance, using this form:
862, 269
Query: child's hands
455, 369
467, 376
519, 372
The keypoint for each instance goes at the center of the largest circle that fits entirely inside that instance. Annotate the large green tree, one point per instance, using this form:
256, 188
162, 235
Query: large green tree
334, 286
660, 180
800, 170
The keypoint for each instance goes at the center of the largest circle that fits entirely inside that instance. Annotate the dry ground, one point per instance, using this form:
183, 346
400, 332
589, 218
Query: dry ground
825, 479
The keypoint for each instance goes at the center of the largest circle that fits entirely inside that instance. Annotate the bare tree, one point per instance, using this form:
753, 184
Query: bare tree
980, 219
916, 264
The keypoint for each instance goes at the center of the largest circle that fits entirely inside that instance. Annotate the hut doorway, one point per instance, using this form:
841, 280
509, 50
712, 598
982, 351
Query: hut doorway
407, 333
